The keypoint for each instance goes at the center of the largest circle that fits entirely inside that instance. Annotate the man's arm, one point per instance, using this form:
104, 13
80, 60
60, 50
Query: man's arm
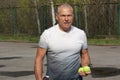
41, 52
85, 60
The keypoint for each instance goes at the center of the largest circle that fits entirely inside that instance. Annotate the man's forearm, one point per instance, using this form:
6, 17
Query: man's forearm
38, 70
85, 59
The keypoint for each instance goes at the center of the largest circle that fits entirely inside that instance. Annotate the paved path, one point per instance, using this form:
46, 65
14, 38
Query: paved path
17, 61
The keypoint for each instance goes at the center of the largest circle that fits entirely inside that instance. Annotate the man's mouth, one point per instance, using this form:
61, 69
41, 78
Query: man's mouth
67, 22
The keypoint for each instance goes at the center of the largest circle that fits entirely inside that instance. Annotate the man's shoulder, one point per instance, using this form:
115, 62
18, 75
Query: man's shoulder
78, 29
50, 30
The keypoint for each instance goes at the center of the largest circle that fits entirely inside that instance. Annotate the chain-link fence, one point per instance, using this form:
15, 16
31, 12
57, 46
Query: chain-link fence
98, 20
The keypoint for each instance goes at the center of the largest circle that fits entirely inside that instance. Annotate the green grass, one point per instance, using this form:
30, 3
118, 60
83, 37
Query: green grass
104, 41
16, 38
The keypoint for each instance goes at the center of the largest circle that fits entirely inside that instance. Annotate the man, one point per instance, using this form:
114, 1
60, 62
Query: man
65, 47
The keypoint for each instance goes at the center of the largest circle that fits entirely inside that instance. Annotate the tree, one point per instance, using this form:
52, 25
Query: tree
85, 12
27, 22
53, 12
37, 16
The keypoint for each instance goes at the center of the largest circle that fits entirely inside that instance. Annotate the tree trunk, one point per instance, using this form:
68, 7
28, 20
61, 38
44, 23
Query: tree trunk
53, 12
86, 23
37, 16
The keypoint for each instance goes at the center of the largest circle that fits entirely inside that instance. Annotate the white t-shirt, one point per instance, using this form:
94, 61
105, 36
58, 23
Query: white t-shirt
63, 56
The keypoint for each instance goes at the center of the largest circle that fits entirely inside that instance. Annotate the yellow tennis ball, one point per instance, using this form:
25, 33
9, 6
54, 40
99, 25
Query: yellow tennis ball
87, 69
80, 69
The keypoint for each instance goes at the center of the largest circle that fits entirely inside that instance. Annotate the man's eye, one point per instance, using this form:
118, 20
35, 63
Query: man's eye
63, 15
69, 15
66, 15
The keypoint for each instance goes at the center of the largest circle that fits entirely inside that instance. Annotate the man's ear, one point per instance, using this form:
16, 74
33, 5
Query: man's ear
56, 17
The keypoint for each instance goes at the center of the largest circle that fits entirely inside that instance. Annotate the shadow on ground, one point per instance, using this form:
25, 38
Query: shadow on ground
9, 58
99, 72
16, 73
2, 66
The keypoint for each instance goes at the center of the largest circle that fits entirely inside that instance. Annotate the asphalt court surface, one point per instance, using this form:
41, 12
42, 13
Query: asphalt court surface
17, 61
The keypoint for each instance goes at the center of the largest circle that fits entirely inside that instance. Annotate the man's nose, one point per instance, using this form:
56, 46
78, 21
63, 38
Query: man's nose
66, 17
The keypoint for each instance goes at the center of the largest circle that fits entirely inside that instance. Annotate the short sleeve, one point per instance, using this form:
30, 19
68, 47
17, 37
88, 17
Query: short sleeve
85, 45
43, 41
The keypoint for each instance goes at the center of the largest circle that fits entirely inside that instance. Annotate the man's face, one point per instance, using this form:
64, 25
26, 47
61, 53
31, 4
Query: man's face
65, 18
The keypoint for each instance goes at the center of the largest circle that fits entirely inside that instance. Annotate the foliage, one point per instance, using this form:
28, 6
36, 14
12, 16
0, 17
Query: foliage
57, 2
25, 16
99, 16
5, 18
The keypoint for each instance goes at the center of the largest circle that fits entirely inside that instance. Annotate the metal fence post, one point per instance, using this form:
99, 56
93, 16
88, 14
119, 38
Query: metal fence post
14, 12
119, 19
79, 16
44, 17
